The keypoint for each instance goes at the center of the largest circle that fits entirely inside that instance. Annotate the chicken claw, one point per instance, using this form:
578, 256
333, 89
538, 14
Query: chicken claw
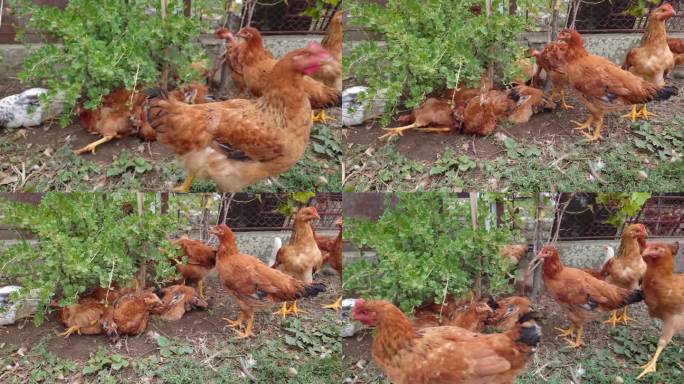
237, 323
321, 117
583, 126
248, 330
566, 332
613, 319
283, 310
336, 306
70, 330
597, 132
398, 131
293, 309
632, 115
578, 341
91, 147
187, 183
650, 367
562, 101
644, 113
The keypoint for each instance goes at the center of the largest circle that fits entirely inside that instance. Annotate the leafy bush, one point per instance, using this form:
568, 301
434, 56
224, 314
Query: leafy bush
428, 45
84, 239
426, 247
103, 45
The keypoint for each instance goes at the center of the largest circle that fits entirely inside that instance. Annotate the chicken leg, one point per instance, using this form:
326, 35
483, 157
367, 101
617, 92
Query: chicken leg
613, 319
624, 318
187, 183
578, 341
200, 288
321, 117
336, 306
566, 332
399, 131
584, 126
248, 330
283, 310
644, 113
237, 323
597, 131
632, 115
293, 309
70, 330
665, 337
91, 147
562, 101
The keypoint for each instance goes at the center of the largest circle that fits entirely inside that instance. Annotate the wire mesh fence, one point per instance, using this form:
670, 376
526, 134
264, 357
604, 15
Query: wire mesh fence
285, 17
614, 16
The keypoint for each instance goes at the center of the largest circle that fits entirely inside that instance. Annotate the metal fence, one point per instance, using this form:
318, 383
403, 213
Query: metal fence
663, 216
278, 17
612, 16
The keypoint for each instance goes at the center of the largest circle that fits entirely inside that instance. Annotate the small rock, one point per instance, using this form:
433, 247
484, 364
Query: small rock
291, 372
361, 364
618, 380
152, 335
322, 180
642, 175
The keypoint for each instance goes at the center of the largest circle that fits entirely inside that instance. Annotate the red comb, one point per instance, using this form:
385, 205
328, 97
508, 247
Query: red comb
314, 210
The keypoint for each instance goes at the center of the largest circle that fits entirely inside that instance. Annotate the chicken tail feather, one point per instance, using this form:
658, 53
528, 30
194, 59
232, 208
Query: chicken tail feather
312, 290
665, 93
634, 296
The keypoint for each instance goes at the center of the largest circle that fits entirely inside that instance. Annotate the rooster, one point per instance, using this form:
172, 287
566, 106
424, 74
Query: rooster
238, 142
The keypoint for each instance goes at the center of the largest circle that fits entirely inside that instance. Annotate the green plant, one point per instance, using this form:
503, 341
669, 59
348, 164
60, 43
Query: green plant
295, 200
425, 46
516, 151
448, 162
123, 163
168, 348
317, 342
667, 144
622, 205
430, 236
84, 239
102, 360
104, 45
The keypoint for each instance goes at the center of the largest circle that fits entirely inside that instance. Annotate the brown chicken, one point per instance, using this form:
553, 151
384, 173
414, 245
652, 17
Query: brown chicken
514, 252
602, 85
252, 283
531, 100
550, 60
664, 295
507, 311
435, 314
201, 260
434, 115
472, 317
627, 268
677, 49
331, 71
652, 59
581, 296
482, 112
85, 317
132, 312
300, 257
257, 63
178, 299
113, 119
445, 354
237, 143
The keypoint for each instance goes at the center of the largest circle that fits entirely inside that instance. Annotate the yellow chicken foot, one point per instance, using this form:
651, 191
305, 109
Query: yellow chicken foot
578, 341
237, 323
336, 306
187, 183
283, 311
566, 332
70, 330
398, 131
200, 288
613, 319
585, 125
321, 117
632, 115
91, 147
650, 367
562, 101
293, 309
248, 330
597, 132
435, 129
624, 318
644, 113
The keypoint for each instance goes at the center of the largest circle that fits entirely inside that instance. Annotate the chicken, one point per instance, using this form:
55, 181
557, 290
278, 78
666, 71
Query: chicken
300, 257
664, 295
237, 143
113, 119
514, 252
627, 268
530, 101
201, 260
178, 299
445, 354
252, 283
434, 115
507, 311
581, 296
256, 63
132, 312
83, 318
652, 59
548, 61
331, 71
677, 49
482, 112
434, 314
235, 50
192, 93
472, 318
26, 110
602, 85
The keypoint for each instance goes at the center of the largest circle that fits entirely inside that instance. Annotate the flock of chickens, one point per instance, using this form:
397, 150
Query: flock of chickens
443, 343
236, 142
600, 84
252, 284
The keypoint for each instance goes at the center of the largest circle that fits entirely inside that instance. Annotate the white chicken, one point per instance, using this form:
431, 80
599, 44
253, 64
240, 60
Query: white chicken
26, 110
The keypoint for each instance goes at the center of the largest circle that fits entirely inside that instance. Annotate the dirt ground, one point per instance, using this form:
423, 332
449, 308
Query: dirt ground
202, 330
553, 351
551, 131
